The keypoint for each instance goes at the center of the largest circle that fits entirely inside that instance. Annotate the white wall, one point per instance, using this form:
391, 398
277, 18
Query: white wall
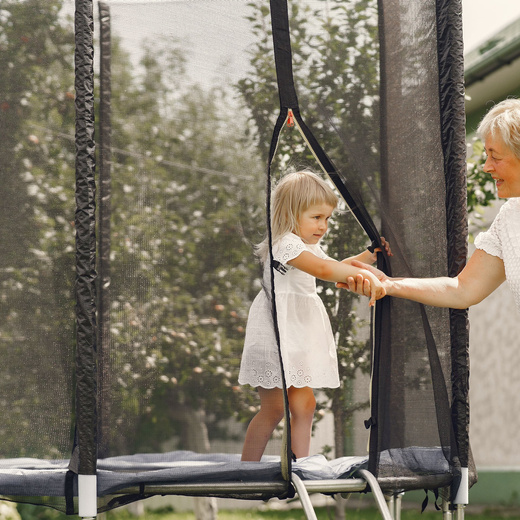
495, 377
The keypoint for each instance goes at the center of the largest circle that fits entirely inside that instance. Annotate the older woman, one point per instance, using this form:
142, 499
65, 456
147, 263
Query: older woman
497, 255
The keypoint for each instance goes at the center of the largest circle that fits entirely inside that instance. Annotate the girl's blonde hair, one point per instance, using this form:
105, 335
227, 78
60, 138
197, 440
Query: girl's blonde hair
294, 194
503, 121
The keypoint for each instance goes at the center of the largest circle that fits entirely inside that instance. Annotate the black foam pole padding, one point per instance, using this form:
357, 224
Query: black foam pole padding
104, 244
450, 51
85, 283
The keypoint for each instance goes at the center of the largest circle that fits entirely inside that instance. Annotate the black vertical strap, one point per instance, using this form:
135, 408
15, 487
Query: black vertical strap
105, 163
380, 330
70, 477
85, 288
283, 54
373, 424
286, 460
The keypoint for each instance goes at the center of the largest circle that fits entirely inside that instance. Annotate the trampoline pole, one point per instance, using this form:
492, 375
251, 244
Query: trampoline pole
378, 494
84, 456
462, 495
390, 503
446, 511
398, 505
394, 503
87, 496
460, 511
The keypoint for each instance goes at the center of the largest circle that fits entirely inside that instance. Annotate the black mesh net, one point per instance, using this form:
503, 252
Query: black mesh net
37, 232
186, 206
188, 102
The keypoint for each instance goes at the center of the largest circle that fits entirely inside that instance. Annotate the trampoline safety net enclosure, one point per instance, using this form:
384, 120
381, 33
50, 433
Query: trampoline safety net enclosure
132, 204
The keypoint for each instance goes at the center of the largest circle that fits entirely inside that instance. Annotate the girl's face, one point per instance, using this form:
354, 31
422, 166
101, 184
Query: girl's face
504, 166
313, 223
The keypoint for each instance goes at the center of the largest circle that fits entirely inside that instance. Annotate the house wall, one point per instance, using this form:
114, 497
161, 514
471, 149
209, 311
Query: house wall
495, 379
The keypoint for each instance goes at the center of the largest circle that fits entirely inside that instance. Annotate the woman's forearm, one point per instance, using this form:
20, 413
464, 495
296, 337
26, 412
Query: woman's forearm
438, 292
481, 276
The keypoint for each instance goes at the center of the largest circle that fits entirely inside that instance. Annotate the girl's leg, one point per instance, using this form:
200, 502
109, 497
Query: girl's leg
302, 405
263, 423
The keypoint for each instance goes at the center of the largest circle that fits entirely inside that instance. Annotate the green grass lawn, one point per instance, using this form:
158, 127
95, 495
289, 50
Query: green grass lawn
409, 512
322, 513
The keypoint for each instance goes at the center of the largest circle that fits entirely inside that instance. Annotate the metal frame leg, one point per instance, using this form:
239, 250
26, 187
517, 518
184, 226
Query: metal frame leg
378, 494
398, 505
390, 503
394, 503
459, 511
359, 484
304, 497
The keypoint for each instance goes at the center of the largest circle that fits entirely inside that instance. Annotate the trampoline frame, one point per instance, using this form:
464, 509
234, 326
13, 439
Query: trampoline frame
389, 507
84, 458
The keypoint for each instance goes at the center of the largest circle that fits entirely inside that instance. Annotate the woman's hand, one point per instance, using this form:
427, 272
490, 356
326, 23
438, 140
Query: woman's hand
481, 276
375, 288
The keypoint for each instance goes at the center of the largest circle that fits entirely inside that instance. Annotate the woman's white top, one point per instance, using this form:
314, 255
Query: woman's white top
307, 342
502, 239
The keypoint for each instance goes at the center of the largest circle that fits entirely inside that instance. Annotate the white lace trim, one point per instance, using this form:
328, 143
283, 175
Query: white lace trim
488, 243
290, 247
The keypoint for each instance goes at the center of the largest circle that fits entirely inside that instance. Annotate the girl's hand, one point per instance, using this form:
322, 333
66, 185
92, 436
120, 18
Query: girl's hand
365, 284
386, 247
358, 285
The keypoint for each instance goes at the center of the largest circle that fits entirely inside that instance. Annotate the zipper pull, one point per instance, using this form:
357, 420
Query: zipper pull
290, 118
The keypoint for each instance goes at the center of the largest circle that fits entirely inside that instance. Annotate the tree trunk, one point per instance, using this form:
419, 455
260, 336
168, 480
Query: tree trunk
195, 438
338, 412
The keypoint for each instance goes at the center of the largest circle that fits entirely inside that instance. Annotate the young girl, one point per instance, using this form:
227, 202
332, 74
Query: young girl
302, 205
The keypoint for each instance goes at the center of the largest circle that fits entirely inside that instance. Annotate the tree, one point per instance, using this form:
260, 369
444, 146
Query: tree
37, 234
186, 195
481, 189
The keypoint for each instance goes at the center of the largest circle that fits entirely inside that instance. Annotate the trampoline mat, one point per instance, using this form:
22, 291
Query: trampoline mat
36, 477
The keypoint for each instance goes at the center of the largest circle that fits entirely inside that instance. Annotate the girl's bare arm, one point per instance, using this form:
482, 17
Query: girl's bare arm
333, 271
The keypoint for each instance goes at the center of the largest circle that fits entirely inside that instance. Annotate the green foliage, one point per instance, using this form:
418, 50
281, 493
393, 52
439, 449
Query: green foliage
37, 233
32, 512
187, 197
481, 189
361, 510
186, 194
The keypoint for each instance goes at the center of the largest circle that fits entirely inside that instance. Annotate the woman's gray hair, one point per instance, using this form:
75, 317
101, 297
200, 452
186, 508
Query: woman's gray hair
503, 121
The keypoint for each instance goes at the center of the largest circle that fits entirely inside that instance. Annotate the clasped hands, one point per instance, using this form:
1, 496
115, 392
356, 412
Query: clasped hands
361, 284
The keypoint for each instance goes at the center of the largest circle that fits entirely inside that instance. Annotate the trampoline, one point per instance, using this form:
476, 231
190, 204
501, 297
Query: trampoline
199, 106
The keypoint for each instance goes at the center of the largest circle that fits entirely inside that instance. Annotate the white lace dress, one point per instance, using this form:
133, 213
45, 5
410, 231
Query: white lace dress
502, 239
307, 343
